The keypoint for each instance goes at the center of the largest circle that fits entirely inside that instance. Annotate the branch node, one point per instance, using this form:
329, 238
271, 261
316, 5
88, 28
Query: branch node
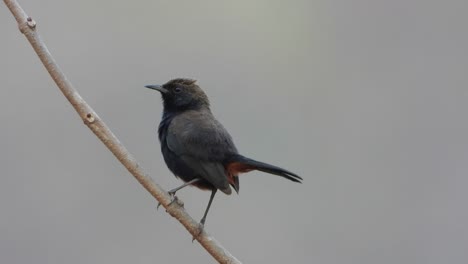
89, 118
31, 23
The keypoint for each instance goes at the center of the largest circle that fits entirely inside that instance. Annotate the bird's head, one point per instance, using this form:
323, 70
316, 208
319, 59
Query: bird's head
181, 94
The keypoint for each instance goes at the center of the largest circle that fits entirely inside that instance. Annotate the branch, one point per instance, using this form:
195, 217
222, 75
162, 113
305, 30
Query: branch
27, 26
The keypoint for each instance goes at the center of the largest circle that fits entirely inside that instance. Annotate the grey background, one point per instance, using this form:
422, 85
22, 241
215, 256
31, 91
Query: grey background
366, 100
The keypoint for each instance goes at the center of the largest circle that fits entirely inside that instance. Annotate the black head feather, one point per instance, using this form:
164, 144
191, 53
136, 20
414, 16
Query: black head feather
183, 94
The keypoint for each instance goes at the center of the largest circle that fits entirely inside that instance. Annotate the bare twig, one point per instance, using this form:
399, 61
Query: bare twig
28, 27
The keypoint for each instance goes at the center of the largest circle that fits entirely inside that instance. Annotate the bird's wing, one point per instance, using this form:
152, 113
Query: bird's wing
213, 172
203, 144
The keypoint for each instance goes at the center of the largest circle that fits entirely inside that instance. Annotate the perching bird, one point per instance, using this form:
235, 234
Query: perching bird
197, 148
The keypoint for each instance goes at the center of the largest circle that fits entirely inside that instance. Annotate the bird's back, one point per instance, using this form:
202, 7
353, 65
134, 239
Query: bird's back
198, 133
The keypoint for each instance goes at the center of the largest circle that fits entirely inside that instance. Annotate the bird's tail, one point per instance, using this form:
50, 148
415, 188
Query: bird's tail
240, 164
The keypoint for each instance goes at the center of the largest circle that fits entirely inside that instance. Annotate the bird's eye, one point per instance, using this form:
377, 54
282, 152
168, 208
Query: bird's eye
177, 90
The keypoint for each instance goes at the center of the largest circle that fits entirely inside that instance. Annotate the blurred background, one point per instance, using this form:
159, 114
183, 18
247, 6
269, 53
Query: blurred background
366, 100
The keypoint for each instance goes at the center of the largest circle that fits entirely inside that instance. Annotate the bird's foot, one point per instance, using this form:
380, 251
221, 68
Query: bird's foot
173, 199
200, 229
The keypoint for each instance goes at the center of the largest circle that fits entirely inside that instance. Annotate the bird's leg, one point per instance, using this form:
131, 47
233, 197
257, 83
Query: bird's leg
173, 191
202, 221
213, 192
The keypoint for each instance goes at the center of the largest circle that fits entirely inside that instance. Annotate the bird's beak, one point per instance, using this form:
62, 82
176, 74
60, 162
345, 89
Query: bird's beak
157, 88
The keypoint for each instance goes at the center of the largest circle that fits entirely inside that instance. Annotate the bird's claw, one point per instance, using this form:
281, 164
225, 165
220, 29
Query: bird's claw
200, 228
173, 199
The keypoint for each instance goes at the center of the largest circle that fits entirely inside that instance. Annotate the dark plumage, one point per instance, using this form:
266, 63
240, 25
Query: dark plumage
196, 147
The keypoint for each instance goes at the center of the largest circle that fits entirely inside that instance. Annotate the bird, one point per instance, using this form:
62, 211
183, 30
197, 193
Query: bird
197, 148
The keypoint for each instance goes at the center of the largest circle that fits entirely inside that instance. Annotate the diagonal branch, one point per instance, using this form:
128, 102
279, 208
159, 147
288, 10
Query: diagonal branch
27, 26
